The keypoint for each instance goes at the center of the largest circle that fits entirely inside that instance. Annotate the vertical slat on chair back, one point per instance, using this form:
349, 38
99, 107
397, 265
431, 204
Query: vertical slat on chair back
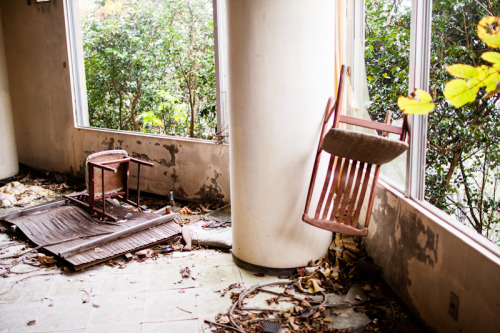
345, 185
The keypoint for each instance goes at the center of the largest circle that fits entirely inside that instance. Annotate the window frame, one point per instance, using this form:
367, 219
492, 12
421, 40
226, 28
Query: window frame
420, 52
78, 82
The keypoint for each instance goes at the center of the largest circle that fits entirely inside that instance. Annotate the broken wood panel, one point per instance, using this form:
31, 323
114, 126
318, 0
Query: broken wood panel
60, 224
160, 219
66, 227
124, 245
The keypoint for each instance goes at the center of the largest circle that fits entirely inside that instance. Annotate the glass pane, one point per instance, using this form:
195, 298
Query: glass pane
387, 54
150, 66
463, 151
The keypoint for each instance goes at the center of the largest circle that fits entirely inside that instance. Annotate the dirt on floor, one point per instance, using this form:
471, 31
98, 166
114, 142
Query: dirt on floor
342, 292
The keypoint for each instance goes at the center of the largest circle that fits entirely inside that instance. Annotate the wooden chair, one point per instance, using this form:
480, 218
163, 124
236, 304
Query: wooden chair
353, 160
107, 176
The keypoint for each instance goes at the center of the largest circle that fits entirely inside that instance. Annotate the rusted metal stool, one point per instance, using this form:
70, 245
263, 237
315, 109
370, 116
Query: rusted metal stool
107, 176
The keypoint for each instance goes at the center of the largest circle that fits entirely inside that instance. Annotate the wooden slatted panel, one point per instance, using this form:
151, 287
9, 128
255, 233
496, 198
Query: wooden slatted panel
333, 187
357, 185
339, 193
347, 199
325, 186
366, 180
63, 227
124, 245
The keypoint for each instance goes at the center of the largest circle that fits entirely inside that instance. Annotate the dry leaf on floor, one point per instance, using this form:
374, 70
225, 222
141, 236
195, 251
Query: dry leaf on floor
46, 260
185, 211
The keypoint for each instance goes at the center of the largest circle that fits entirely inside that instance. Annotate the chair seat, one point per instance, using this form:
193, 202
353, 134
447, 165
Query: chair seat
367, 148
114, 181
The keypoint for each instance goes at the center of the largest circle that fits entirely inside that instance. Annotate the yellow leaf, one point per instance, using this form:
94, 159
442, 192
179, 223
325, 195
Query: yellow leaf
493, 92
419, 103
493, 57
458, 92
462, 71
492, 80
488, 30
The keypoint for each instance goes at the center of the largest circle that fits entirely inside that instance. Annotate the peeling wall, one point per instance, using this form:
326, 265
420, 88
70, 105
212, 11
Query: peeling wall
424, 259
46, 137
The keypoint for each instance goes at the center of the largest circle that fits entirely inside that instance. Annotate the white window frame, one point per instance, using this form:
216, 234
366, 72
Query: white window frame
77, 66
76, 63
420, 53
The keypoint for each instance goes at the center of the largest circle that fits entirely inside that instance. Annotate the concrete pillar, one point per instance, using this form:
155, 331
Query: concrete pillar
8, 153
281, 73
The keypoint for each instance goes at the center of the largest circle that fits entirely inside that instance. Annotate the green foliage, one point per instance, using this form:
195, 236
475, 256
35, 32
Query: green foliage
463, 150
471, 79
387, 55
138, 53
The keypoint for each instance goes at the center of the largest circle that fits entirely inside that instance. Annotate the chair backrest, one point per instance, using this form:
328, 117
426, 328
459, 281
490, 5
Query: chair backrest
114, 182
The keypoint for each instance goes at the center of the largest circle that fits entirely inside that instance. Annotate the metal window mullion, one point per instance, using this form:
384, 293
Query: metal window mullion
220, 69
420, 50
76, 63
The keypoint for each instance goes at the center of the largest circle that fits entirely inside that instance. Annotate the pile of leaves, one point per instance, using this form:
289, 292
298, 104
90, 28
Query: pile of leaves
31, 187
304, 303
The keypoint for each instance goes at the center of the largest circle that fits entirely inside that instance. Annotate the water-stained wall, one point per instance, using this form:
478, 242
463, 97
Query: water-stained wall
425, 259
194, 169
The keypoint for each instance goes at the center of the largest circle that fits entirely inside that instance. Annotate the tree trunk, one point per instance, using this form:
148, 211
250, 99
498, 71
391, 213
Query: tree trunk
134, 106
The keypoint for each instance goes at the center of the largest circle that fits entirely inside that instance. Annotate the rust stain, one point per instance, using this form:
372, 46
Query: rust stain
173, 150
142, 156
212, 192
179, 191
110, 144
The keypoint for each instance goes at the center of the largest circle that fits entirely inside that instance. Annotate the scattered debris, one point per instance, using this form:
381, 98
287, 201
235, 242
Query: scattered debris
185, 272
186, 235
183, 310
86, 298
146, 253
329, 295
185, 211
19, 195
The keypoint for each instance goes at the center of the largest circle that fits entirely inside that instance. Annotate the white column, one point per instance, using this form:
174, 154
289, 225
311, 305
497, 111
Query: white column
281, 72
8, 151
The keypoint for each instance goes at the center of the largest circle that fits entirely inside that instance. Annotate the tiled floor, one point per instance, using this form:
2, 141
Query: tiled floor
148, 296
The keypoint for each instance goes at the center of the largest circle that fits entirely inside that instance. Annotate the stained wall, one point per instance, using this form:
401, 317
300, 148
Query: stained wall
425, 258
